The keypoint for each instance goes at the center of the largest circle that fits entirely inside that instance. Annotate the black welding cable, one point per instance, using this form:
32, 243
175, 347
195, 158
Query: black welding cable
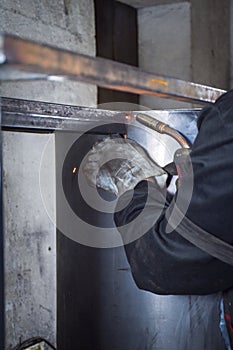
31, 342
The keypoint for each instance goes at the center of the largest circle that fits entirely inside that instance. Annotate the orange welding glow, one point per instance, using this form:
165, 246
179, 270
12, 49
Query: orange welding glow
160, 82
74, 170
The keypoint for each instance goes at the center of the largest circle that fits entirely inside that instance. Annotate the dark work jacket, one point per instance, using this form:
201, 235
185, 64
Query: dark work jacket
166, 263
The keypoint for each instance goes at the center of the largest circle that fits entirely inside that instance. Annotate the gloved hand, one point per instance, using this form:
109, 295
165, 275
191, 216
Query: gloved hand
118, 165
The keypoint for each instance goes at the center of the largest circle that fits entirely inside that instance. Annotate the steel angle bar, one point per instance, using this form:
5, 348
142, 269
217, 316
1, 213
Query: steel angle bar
42, 116
54, 63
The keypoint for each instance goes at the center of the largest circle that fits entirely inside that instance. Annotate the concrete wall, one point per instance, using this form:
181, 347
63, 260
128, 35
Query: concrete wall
189, 41
30, 240
210, 42
69, 26
164, 46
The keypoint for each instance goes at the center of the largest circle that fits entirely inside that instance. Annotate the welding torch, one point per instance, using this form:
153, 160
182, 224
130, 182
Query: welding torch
179, 165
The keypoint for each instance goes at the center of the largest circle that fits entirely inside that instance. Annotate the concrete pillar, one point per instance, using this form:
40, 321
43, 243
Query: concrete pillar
164, 46
30, 236
210, 42
186, 40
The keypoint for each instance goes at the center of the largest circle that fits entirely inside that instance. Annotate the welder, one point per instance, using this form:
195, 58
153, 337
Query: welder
194, 255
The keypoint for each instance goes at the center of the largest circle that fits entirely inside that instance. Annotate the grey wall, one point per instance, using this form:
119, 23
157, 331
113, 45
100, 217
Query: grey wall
189, 41
30, 241
210, 42
164, 46
68, 26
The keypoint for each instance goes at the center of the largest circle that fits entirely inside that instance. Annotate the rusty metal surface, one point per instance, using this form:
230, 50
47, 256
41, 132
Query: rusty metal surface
27, 56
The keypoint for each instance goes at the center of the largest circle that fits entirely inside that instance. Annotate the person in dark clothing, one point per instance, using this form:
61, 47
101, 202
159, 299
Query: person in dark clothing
167, 263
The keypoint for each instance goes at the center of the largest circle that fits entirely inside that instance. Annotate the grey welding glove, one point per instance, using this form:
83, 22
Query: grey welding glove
118, 165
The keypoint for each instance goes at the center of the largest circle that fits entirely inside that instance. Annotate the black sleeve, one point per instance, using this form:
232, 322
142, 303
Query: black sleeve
167, 263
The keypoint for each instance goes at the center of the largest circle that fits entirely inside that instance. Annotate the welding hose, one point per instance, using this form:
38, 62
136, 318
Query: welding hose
162, 128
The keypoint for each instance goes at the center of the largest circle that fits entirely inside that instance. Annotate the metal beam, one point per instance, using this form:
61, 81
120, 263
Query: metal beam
25, 115
27, 56
48, 117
